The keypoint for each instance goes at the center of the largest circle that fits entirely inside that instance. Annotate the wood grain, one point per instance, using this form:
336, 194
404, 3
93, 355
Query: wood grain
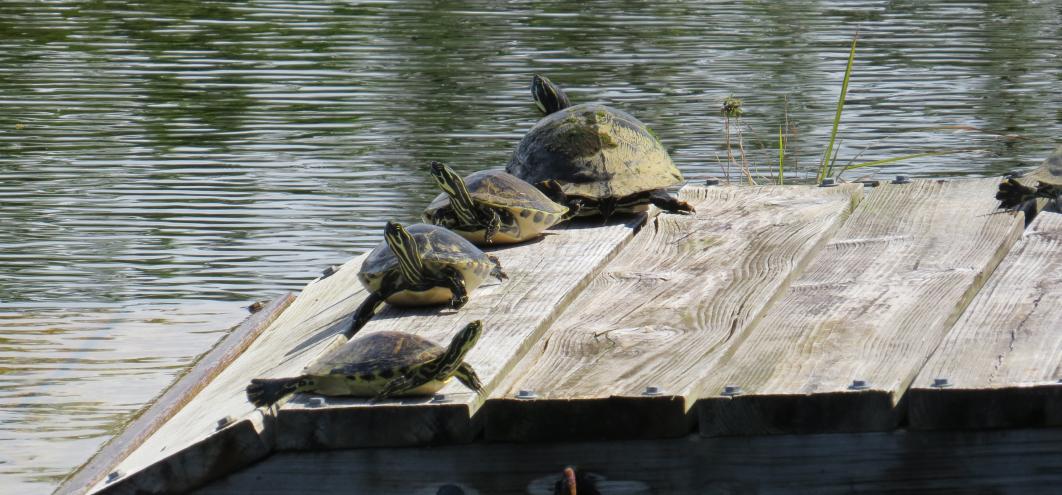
1003, 359
1015, 461
544, 277
872, 306
663, 311
203, 369
310, 325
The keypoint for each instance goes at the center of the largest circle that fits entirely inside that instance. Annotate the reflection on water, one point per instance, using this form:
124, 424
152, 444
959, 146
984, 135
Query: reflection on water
164, 163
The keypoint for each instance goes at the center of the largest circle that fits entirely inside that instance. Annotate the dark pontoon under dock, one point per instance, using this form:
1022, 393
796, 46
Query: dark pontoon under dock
905, 336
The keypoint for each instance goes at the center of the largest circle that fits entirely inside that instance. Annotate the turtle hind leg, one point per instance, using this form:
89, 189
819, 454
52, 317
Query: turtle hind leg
661, 199
267, 391
364, 313
1012, 194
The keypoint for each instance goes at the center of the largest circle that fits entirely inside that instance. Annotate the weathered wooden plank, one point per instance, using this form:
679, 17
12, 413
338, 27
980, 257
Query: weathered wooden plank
544, 277
204, 369
1017, 461
183, 447
872, 307
1003, 359
663, 311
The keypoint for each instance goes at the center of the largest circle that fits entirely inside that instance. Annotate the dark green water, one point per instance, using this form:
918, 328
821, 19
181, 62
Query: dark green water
162, 164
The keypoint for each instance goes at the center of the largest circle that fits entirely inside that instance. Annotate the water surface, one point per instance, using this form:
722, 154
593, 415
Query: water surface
163, 164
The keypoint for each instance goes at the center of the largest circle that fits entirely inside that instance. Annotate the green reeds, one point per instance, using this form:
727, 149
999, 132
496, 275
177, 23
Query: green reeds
827, 162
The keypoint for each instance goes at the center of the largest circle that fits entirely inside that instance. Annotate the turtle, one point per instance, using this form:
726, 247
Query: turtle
603, 159
1013, 195
491, 206
421, 265
379, 365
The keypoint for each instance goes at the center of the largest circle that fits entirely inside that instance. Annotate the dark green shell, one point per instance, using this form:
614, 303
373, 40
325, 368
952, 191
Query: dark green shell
377, 354
594, 151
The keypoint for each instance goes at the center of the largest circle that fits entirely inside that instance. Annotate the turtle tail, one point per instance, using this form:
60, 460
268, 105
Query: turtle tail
267, 391
1012, 193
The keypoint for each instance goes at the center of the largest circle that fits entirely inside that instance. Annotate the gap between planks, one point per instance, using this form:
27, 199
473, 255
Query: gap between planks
662, 313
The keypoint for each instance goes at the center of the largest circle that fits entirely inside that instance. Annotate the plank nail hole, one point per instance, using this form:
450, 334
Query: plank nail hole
711, 181
902, 179
526, 394
114, 475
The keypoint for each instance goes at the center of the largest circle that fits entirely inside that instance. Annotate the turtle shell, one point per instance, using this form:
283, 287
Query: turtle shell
501, 189
376, 359
375, 353
594, 151
439, 248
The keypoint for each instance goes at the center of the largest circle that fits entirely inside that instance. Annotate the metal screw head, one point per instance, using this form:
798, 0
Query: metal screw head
828, 182
315, 402
652, 390
114, 475
732, 390
902, 179
711, 181
941, 383
437, 398
223, 422
525, 393
858, 385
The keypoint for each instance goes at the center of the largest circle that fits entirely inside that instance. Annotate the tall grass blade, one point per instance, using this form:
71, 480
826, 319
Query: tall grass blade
826, 166
781, 157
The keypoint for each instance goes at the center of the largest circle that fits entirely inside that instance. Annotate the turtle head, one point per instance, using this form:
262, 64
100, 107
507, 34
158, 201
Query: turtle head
404, 247
454, 187
464, 207
463, 342
548, 97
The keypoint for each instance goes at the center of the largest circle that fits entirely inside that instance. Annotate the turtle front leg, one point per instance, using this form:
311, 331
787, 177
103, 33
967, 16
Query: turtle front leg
466, 375
492, 224
456, 283
661, 199
364, 313
400, 384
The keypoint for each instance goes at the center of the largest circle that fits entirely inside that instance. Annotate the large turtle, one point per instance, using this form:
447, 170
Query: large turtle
491, 206
604, 159
421, 265
379, 365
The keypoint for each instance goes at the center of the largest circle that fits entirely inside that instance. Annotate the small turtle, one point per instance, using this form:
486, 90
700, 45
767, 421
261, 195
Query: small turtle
1014, 195
379, 365
491, 206
604, 159
421, 265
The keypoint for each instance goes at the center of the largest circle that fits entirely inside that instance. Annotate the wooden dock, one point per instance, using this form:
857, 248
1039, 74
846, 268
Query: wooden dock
784, 337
